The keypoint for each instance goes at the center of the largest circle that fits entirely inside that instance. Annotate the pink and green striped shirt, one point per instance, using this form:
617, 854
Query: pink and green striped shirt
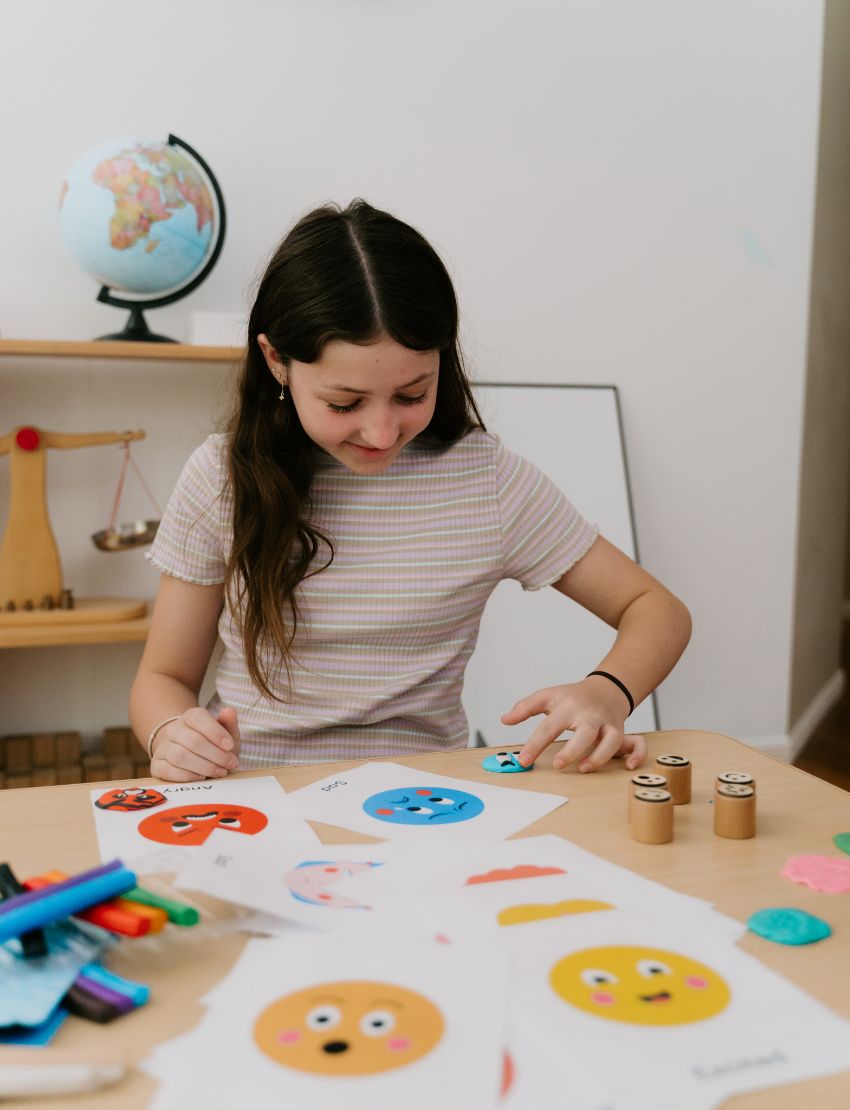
387, 629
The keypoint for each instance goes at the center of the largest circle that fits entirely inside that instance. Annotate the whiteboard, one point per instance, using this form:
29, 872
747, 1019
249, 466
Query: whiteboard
529, 640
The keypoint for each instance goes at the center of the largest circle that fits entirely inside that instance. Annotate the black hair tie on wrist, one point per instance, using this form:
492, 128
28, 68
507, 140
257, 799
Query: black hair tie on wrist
616, 681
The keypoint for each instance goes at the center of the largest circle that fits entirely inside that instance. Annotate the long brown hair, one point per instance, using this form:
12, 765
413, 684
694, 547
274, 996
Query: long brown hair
353, 274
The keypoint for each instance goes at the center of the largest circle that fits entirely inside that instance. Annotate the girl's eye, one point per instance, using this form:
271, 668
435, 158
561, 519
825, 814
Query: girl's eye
343, 408
412, 400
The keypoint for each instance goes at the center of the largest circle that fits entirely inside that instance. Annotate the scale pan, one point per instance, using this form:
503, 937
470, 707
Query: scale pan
136, 533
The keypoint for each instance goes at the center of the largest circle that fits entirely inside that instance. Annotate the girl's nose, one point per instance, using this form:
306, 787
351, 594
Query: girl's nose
382, 430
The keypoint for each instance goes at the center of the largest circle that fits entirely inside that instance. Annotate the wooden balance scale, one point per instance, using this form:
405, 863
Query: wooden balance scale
30, 568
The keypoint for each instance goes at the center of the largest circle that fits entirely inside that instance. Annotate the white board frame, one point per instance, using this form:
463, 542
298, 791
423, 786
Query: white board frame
528, 641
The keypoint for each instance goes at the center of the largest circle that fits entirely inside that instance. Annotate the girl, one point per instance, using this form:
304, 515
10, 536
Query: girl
344, 535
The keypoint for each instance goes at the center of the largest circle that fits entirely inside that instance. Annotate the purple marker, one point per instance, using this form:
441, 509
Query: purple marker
121, 1002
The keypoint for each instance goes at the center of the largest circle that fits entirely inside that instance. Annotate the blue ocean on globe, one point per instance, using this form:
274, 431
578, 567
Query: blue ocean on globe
138, 216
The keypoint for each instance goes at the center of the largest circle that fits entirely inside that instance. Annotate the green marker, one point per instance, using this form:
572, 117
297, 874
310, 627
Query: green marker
178, 912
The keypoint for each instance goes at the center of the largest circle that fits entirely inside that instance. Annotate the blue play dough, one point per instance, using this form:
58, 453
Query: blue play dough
504, 763
788, 926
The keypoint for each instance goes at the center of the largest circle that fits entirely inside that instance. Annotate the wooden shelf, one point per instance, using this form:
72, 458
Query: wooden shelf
63, 635
163, 352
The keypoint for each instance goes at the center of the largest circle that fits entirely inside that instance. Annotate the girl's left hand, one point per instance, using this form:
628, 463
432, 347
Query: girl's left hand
594, 715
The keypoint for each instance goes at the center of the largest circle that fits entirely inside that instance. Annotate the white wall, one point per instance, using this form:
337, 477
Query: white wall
623, 192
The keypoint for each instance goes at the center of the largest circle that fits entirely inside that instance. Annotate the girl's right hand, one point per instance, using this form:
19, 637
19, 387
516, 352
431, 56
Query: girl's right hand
196, 745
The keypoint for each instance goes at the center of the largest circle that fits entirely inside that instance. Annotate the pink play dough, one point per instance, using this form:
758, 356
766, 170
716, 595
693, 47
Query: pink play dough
828, 873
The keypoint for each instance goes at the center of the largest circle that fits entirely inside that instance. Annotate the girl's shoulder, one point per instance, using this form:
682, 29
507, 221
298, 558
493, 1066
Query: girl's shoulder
207, 465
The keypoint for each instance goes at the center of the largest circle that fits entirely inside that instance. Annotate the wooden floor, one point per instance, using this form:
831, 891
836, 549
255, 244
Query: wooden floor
827, 753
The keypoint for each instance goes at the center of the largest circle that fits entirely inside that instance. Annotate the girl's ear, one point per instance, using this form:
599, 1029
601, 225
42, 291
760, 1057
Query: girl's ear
272, 359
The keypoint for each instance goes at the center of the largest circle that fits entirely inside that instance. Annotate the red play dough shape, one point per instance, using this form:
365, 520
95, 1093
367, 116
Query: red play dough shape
826, 873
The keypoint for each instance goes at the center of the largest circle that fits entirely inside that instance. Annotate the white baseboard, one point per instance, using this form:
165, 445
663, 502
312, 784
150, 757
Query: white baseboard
815, 711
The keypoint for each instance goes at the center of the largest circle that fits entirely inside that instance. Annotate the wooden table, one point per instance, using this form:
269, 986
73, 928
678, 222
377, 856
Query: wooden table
51, 827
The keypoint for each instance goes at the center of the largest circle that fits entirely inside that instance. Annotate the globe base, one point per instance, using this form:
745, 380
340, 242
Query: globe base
136, 330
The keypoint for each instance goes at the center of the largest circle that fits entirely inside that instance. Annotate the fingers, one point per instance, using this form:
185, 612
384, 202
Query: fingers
524, 708
227, 718
578, 745
610, 742
195, 746
634, 748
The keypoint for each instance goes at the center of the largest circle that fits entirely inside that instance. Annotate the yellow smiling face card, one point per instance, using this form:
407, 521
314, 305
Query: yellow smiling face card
667, 999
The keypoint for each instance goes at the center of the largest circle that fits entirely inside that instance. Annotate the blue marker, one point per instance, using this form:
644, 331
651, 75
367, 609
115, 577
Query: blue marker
138, 992
23, 913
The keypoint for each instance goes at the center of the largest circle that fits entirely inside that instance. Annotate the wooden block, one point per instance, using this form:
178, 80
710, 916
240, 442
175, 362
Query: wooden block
43, 776
118, 741
68, 747
120, 767
94, 768
17, 754
69, 772
141, 768
43, 747
14, 782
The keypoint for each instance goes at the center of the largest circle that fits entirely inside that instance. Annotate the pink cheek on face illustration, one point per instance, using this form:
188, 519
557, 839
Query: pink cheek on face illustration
399, 1044
602, 998
289, 1036
697, 982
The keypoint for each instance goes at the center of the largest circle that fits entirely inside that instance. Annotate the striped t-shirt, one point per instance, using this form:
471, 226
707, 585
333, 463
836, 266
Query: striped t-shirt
386, 631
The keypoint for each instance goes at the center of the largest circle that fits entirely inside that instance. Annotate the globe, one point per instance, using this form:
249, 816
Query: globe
145, 219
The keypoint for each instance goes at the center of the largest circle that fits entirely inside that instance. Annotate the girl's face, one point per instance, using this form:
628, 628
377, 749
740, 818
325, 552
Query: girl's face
362, 403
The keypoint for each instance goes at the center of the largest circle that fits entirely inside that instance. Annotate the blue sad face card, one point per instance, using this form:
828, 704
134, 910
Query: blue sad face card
392, 802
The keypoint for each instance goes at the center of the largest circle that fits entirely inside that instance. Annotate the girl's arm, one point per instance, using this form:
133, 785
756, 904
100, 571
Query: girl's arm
653, 629
182, 637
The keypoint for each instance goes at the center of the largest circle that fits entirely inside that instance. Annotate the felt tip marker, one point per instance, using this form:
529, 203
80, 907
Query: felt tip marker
51, 903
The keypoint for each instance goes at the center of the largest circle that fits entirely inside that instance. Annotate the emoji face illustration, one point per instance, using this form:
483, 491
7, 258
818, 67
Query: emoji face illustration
423, 805
504, 763
130, 799
309, 882
349, 1028
641, 986
191, 825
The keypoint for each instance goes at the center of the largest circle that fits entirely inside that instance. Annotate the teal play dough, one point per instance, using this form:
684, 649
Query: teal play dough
788, 926
842, 841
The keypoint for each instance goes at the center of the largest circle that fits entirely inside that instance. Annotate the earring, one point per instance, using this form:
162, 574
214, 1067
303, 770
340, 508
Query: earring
282, 396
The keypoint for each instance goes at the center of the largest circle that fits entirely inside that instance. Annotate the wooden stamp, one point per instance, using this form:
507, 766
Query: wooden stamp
652, 816
677, 770
641, 782
734, 811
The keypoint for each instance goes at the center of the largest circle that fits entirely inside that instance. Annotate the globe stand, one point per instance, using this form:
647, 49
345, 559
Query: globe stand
136, 330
